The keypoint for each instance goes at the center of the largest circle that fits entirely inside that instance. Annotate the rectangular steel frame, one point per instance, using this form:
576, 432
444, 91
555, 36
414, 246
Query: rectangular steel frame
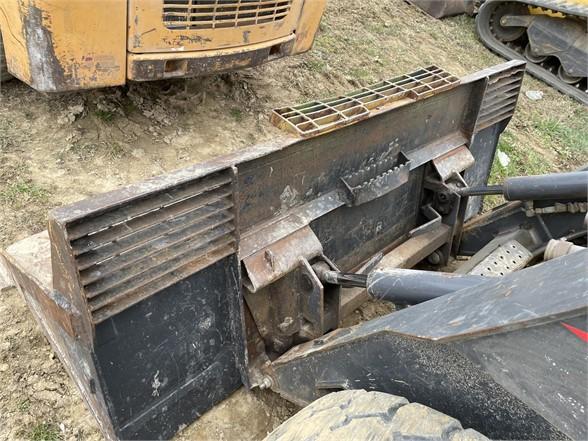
177, 332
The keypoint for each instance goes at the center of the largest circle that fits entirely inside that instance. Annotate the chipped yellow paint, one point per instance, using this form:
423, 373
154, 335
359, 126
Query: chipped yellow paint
87, 39
308, 25
216, 55
59, 45
536, 10
15, 49
147, 32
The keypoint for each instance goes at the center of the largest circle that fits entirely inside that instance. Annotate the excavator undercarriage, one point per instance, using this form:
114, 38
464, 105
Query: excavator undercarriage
551, 35
164, 297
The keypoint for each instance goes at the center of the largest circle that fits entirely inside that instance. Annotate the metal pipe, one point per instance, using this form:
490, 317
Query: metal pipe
406, 286
541, 187
480, 191
553, 186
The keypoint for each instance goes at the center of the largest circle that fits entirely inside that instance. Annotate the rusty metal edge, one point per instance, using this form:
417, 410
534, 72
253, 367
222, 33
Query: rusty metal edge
105, 201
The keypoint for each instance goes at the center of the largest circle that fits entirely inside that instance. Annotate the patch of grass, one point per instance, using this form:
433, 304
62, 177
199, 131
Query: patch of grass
237, 114
523, 161
104, 115
44, 432
568, 137
24, 405
379, 28
114, 150
361, 74
326, 43
110, 150
316, 65
21, 192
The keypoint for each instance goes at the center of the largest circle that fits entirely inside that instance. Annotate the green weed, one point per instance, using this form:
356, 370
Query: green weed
20, 192
110, 150
568, 138
316, 65
237, 114
523, 160
104, 115
24, 405
44, 432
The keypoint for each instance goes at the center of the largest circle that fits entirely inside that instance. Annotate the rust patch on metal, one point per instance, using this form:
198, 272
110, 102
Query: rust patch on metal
453, 162
406, 255
47, 74
54, 305
279, 258
160, 67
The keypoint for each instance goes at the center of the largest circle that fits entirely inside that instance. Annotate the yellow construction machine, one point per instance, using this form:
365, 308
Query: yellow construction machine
61, 45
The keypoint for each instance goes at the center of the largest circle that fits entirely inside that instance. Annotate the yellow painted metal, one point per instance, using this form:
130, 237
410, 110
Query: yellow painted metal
11, 22
308, 25
59, 45
554, 13
148, 33
540, 11
216, 60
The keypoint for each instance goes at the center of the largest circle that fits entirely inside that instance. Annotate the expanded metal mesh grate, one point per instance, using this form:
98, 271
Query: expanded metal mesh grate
321, 116
212, 14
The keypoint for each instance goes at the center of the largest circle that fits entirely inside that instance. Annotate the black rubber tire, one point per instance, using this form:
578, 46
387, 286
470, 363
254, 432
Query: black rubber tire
4, 75
376, 416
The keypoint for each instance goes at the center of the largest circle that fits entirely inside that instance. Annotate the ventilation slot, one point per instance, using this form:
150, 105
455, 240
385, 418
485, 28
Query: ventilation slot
213, 14
501, 97
129, 253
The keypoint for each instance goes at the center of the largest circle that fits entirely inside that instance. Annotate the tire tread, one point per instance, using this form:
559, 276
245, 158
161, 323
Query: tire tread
361, 415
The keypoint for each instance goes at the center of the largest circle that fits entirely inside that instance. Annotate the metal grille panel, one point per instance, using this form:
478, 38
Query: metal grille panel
213, 14
321, 116
506, 258
134, 250
501, 97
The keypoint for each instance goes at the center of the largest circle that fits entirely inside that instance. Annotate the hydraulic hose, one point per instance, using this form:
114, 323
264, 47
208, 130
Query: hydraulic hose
572, 185
406, 286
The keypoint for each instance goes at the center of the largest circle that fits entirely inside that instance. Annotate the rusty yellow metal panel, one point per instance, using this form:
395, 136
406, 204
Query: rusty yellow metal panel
73, 44
175, 25
11, 26
59, 45
156, 66
308, 25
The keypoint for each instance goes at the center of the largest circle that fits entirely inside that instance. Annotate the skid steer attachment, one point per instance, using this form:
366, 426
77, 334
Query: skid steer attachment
163, 297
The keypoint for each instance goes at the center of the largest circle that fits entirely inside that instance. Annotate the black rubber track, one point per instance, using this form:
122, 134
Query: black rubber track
488, 38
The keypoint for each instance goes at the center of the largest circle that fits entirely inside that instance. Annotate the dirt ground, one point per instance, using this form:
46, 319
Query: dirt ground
57, 149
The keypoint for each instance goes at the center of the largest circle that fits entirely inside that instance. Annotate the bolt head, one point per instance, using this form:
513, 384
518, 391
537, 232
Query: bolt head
266, 382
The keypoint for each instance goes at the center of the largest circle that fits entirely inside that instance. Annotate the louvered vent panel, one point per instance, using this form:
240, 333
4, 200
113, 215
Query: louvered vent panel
135, 250
501, 97
212, 14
